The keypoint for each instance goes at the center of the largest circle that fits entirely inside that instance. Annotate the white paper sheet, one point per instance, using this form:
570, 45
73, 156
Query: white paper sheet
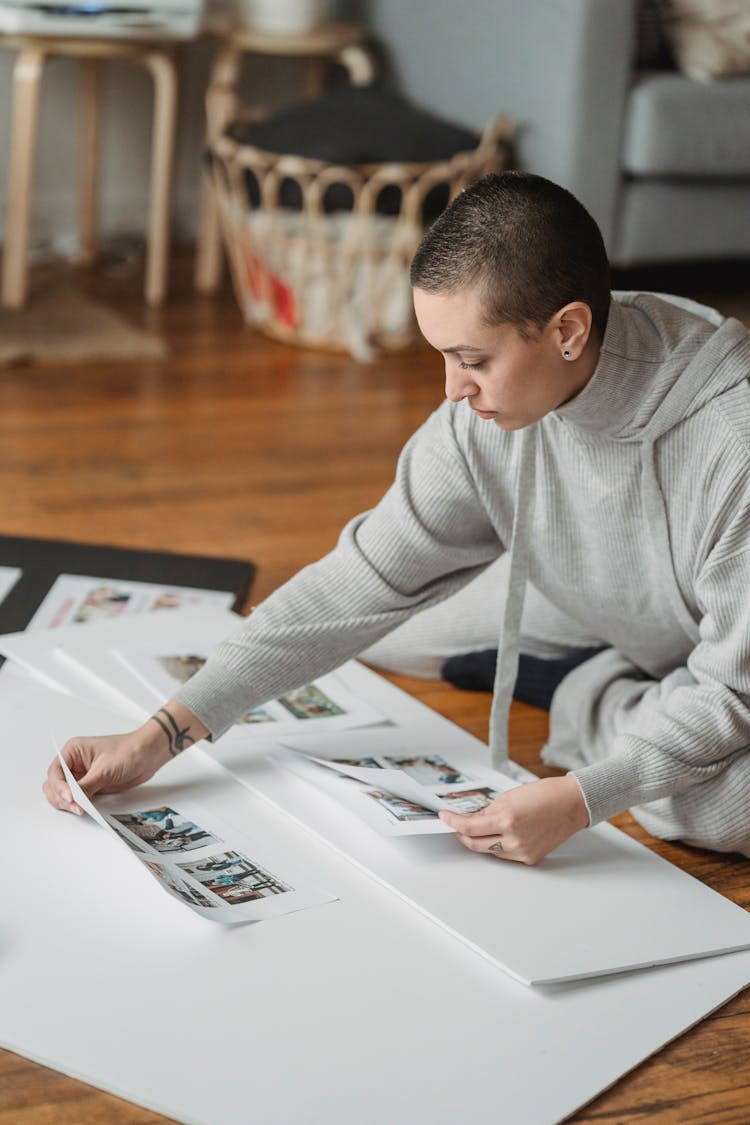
324, 705
217, 872
391, 800
86, 663
126, 989
45, 652
75, 599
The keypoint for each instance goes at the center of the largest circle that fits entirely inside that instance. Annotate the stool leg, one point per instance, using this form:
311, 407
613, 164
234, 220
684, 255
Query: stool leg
27, 75
221, 106
315, 78
164, 74
90, 138
208, 257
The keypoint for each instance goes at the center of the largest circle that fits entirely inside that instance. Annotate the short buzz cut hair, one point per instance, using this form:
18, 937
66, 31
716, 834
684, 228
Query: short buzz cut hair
526, 243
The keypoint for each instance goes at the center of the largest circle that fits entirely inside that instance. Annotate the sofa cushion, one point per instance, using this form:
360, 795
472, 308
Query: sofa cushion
677, 127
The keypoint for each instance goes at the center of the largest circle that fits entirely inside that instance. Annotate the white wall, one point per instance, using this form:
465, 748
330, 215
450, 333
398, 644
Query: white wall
444, 53
558, 69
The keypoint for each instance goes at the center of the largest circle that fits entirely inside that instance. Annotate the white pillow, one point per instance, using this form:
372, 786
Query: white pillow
710, 38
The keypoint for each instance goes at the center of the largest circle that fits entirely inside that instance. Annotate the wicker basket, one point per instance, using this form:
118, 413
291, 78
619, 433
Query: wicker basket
337, 279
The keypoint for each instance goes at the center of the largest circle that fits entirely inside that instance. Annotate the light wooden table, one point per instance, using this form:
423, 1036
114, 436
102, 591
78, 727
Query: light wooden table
343, 43
33, 53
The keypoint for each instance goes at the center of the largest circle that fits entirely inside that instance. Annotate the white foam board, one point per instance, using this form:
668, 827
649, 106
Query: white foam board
361, 1010
612, 904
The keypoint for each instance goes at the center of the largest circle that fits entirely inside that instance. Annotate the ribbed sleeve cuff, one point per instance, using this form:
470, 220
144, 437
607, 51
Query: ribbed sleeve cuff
608, 787
217, 696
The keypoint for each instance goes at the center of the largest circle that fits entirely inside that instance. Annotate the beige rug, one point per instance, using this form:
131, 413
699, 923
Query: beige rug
60, 324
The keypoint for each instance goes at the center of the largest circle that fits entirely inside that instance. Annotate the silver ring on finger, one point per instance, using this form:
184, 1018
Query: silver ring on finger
497, 847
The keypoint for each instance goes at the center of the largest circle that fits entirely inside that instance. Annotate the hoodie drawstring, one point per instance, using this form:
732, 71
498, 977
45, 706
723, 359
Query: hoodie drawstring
510, 629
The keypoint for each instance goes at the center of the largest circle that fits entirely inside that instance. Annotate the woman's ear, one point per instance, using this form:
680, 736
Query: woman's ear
573, 328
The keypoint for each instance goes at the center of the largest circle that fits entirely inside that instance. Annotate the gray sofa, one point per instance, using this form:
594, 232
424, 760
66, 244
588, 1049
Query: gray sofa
661, 161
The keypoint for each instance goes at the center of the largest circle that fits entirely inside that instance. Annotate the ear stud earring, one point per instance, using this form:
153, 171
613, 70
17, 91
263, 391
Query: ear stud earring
567, 354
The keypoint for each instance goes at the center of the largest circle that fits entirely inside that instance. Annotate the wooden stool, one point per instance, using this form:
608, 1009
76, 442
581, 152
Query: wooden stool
338, 42
158, 58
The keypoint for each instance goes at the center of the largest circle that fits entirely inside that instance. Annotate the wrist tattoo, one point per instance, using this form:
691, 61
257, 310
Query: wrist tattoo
177, 740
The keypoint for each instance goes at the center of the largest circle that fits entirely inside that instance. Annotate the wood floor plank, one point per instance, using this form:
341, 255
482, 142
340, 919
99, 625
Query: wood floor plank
236, 446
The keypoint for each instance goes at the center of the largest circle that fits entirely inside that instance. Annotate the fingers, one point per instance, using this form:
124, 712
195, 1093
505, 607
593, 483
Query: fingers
483, 832
78, 755
496, 847
492, 845
471, 824
530, 820
101, 764
57, 790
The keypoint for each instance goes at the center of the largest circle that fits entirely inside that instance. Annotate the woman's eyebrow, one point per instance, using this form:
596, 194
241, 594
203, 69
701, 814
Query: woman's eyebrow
460, 348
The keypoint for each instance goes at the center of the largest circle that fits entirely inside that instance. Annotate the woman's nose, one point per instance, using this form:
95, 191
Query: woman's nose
458, 384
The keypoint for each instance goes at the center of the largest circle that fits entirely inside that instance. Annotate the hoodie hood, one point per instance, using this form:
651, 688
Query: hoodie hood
654, 371
679, 369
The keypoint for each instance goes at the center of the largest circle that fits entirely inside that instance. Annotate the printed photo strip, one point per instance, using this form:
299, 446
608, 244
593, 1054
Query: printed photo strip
219, 872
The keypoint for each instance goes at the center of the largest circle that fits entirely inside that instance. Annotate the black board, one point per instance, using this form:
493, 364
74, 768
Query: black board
42, 561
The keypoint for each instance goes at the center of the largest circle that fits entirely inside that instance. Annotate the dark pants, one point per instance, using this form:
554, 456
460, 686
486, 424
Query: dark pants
536, 681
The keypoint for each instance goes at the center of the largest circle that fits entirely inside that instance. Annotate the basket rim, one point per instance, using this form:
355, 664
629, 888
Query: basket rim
498, 131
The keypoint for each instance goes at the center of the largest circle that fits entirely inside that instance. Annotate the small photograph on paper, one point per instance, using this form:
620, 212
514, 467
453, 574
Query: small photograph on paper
75, 599
125, 837
359, 763
235, 878
309, 702
191, 895
470, 800
181, 668
428, 769
164, 830
101, 604
257, 715
399, 807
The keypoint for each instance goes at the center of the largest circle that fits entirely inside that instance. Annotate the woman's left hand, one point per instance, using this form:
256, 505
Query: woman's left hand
524, 824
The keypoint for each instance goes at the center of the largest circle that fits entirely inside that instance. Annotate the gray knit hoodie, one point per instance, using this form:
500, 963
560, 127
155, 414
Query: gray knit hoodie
628, 507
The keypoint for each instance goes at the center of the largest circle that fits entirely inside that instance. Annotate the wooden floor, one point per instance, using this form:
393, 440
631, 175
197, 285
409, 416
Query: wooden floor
237, 446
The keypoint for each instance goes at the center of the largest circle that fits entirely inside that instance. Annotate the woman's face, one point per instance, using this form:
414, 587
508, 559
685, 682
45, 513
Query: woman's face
509, 380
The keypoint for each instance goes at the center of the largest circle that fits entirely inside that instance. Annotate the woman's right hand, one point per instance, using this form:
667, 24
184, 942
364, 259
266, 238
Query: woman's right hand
106, 764
112, 762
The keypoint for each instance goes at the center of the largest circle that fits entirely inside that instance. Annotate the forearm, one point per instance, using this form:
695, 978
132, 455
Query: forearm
322, 618
649, 739
171, 730
410, 552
